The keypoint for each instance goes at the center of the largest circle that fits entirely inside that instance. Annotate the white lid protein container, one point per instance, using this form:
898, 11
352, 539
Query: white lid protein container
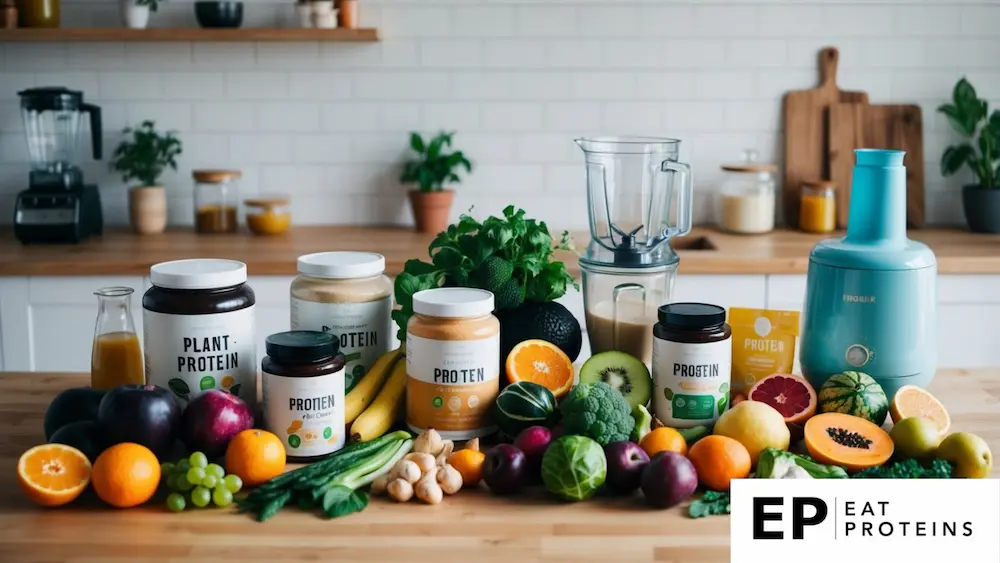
452, 362
198, 328
346, 294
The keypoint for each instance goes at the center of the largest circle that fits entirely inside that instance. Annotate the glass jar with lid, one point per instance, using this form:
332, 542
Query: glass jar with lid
746, 198
268, 215
818, 210
216, 200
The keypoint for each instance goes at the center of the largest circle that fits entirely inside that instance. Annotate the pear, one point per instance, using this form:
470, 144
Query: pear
969, 454
916, 438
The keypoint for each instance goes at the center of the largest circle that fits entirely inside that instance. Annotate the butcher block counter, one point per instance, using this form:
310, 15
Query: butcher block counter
703, 251
471, 526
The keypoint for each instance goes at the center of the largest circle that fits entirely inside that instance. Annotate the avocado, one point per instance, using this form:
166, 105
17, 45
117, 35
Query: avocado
549, 321
72, 405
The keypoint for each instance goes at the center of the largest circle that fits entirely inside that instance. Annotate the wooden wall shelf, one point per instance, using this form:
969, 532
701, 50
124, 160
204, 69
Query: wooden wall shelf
194, 34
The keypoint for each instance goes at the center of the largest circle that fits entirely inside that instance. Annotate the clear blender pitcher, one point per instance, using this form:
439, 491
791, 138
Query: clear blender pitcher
639, 197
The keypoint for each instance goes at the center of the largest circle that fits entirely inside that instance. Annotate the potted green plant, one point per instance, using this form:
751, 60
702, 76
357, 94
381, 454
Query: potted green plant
432, 168
970, 117
135, 13
144, 157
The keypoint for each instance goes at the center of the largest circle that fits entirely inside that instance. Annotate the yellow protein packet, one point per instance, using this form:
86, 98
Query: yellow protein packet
763, 343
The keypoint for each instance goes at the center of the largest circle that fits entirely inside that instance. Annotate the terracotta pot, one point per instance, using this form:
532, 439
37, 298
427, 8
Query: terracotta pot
147, 209
431, 210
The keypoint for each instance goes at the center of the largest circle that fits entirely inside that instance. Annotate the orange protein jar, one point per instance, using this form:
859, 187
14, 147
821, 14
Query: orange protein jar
452, 362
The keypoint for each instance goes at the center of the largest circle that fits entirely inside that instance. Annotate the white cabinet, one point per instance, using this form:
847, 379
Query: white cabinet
47, 323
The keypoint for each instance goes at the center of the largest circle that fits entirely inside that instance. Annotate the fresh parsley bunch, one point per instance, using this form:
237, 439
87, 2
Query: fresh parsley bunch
509, 255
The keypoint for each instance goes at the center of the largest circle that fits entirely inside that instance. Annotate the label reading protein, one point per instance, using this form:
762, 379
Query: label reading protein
189, 354
690, 381
365, 330
306, 412
451, 384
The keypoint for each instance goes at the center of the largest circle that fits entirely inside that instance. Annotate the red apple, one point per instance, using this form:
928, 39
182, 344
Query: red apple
212, 419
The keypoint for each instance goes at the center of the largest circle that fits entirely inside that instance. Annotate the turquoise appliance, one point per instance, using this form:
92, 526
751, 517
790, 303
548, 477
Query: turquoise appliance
871, 296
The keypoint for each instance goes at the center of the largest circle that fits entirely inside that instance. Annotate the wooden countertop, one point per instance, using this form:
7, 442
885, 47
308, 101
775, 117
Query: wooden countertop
471, 526
704, 251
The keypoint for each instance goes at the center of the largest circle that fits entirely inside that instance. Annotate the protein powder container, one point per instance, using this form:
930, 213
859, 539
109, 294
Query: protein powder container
348, 295
452, 362
692, 358
303, 382
198, 328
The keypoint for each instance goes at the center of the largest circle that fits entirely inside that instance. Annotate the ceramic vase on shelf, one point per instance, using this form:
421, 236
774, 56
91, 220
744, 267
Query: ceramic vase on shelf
134, 15
431, 210
304, 14
147, 209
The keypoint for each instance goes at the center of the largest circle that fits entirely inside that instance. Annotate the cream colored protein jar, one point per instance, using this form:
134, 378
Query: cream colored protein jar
348, 295
452, 362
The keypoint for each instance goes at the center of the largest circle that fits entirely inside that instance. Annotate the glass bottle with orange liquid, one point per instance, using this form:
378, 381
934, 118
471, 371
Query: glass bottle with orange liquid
116, 358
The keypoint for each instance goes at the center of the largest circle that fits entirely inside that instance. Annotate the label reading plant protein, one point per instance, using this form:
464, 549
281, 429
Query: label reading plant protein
691, 381
452, 384
189, 354
306, 412
365, 330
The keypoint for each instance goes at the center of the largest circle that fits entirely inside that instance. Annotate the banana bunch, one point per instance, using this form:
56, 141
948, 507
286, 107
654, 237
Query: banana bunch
375, 403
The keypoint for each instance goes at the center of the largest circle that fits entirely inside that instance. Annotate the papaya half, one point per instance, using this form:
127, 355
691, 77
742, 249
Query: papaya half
848, 441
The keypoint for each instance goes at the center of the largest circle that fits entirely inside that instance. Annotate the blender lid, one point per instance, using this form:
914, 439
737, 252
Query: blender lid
51, 98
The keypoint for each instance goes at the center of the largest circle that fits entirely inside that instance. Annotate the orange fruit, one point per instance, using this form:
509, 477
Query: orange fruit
790, 395
911, 400
255, 456
543, 363
470, 464
53, 474
718, 460
126, 475
663, 439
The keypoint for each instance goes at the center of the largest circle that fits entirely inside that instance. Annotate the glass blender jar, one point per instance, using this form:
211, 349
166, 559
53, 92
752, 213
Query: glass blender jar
639, 197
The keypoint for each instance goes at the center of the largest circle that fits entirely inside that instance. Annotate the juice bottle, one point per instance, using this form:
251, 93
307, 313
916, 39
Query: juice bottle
116, 358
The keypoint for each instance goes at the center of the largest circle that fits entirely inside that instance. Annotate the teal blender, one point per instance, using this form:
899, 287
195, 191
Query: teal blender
871, 296
639, 197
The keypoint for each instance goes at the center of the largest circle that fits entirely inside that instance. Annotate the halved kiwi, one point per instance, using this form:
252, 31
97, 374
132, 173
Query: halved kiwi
622, 371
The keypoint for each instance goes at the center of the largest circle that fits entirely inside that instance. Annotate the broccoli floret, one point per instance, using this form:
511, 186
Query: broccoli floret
509, 295
598, 411
495, 273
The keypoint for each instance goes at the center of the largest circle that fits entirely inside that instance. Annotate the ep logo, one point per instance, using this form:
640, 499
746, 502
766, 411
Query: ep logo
771, 513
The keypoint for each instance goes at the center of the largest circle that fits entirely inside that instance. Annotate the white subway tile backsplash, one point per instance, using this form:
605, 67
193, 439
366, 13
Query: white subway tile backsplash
517, 80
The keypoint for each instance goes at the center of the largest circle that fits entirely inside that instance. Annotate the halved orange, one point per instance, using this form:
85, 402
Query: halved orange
911, 400
53, 474
543, 363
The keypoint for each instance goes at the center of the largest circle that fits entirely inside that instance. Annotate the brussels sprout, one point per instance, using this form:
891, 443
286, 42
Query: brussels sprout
574, 467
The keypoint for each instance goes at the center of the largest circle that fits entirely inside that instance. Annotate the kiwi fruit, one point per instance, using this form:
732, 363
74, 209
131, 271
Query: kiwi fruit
624, 372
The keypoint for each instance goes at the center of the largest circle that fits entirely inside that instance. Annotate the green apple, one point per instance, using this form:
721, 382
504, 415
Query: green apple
969, 454
915, 437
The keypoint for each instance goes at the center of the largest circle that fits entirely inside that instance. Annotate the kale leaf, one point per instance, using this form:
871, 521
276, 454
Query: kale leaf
712, 502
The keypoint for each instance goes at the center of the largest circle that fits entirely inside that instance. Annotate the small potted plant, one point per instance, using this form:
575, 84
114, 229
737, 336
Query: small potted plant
431, 170
970, 117
144, 157
135, 13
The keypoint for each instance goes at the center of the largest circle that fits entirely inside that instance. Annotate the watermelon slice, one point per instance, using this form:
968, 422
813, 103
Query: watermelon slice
791, 395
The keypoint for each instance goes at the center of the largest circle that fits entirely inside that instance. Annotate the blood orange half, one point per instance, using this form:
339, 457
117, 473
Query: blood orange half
791, 395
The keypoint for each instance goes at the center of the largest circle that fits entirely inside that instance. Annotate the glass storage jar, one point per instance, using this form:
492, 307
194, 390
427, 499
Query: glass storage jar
216, 200
818, 210
746, 198
268, 215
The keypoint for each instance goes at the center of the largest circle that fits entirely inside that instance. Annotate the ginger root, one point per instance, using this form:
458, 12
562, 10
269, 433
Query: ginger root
400, 490
449, 479
428, 490
429, 442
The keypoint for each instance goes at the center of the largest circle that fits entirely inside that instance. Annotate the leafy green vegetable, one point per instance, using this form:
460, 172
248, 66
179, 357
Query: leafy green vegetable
574, 467
598, 411
643, 423
341, 501
774, 463
909, 469
712, 502
509, 255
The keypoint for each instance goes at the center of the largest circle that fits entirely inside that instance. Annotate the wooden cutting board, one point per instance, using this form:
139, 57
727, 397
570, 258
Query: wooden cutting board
805, 126
857, 126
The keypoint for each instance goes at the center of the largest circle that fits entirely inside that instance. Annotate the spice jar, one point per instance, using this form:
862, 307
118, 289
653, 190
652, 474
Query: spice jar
268, 215
692, 357
746, 198
216, 200
347, 14
302, 379
452, 362
818, 210
39, 13
9, 18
